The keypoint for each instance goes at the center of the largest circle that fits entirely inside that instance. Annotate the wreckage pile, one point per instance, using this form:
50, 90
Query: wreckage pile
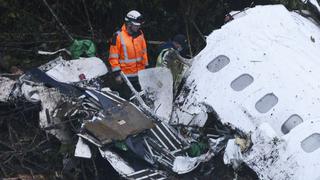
55, 126
49, 122
30, 152
260, 73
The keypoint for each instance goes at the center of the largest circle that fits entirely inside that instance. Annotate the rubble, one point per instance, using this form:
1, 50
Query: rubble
155, 136
104, 121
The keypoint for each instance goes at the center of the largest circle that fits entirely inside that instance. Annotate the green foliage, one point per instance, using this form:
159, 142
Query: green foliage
27, 26
290, 4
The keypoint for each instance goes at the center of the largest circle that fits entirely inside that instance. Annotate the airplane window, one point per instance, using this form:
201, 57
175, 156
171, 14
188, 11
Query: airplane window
241, 82
290, 123
266, 103
218, 63
311, 143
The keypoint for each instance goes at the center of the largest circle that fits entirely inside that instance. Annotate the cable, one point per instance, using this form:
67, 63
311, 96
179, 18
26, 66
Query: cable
59, 22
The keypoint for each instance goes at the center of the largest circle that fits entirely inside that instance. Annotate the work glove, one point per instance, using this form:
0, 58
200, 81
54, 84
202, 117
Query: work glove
117, 77
172, 54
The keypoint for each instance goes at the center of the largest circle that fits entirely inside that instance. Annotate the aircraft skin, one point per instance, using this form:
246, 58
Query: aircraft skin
261, 73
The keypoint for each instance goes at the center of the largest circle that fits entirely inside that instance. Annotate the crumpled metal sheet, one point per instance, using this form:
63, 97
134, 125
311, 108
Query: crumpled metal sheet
6, 86
124, 120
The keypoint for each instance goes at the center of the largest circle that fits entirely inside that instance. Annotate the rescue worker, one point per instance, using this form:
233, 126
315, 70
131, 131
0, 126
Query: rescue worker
128, 53
171, 56
178, 43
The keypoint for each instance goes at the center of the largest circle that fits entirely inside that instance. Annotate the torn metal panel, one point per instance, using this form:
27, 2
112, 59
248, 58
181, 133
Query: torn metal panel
147, 174
183, 164
158, 85
82, 149
6, 87
69, 71
233, 154
119, 164
120, 120
124, 168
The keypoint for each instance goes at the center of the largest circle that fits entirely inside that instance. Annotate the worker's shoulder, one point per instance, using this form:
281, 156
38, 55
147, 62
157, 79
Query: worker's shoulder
165, 46
114, 37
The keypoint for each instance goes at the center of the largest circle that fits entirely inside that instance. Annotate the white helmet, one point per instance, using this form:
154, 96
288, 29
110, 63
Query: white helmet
134, 17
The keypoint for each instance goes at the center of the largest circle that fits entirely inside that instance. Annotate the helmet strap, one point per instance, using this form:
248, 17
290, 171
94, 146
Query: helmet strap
128, 27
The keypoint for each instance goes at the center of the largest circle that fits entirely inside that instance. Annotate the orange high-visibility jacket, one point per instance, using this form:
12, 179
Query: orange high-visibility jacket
128, 53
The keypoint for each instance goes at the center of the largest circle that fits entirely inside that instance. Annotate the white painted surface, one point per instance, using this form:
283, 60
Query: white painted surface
232, 154
6, 86
184, 164
69, 71
117, 162
280, 50
159, 84
82, 149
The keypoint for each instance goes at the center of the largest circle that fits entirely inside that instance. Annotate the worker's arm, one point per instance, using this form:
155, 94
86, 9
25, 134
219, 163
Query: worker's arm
174, 54
183, 60
114, 53
145, 53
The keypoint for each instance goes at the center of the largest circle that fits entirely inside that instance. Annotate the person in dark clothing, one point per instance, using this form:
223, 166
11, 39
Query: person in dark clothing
171, 55
178, 43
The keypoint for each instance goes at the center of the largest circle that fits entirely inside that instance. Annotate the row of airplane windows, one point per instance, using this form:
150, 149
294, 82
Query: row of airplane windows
266, 103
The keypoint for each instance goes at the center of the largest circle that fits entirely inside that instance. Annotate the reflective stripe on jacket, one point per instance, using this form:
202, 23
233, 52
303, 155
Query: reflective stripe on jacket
128, 53
162, 59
